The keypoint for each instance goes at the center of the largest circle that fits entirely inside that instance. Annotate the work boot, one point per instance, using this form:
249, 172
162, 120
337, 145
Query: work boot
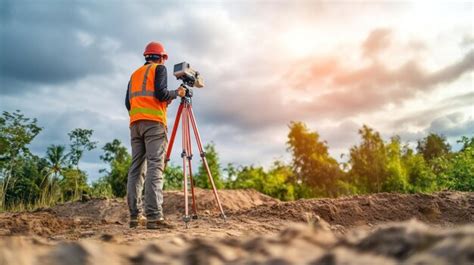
159, 223
135, 221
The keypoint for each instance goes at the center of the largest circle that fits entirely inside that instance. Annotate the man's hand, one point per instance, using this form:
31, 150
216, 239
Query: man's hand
181, 91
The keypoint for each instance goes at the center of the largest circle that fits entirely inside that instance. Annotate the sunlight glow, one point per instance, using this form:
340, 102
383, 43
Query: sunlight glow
299, 41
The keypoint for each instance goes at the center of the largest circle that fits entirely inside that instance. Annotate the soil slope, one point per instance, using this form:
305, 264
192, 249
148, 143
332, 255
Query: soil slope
259, 230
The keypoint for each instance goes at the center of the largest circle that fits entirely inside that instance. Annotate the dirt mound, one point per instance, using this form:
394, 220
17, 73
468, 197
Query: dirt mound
259, 230
76, 219
231, 200
440, 208
38, 223
406, 243
96, 210
116, 211
248, 212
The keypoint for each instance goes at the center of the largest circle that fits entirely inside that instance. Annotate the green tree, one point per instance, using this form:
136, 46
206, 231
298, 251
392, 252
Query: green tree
249, 177
275, 182
458, 169
55, 164
433, 146
16, 133
173, 176
397, 179
201, 179
278, 182
466, 143
73, 184
27, 189
56, 158
231, 175
368, 161
420, 176
118, 158
101, 188
115, 151
312, 164
80, 142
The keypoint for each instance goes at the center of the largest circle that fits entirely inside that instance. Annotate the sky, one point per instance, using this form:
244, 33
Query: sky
402, 68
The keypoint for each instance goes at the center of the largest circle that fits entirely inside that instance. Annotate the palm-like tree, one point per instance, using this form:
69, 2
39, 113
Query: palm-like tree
56, 159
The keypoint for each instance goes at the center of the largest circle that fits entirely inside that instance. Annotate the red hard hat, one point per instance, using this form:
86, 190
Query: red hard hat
155, 48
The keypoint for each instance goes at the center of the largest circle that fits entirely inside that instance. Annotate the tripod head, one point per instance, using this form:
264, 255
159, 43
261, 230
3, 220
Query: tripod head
189, 93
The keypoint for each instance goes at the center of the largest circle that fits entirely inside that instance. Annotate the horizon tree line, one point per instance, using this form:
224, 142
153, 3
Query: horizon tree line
373, 165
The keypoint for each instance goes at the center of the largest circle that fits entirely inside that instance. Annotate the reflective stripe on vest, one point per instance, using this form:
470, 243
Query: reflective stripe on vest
146, 111
143, 104
143, 92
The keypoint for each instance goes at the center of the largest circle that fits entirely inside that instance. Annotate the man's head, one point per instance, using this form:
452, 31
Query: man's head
155, 52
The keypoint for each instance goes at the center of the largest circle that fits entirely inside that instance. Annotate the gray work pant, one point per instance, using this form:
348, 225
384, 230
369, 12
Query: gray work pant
149, 143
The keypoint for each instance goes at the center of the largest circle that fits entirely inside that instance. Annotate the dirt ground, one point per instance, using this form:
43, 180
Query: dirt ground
377, 229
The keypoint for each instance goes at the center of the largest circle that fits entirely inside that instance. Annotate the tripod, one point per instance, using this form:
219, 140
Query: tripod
186, 114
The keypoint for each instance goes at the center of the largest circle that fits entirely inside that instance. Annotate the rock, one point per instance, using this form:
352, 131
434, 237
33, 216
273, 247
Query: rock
178, 241
430, 210
398, 240
108, 238
87, 233
207, 252
80, 253
4, 232
345, 256
457, 247
40, 241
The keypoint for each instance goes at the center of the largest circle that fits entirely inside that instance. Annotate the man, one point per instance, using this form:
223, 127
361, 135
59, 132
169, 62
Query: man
147, 100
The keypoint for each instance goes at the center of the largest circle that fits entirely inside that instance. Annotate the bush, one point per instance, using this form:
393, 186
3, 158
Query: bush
101, 188
459, 169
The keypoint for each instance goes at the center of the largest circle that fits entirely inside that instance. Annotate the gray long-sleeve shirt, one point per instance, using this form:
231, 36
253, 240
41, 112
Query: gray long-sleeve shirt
161, 87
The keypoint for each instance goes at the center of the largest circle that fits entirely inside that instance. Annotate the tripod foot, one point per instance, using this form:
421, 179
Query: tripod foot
186, 220
224, 217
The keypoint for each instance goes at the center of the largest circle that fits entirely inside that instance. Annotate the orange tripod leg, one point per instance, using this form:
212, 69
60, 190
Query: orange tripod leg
173, 133
185, 115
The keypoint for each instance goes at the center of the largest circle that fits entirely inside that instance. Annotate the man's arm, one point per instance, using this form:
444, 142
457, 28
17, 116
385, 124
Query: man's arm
161, 85
127, 99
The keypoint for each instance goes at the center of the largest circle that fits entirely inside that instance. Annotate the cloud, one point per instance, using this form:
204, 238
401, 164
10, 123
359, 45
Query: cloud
40, 45
452, 71
453, 125
64, 43
378, 40
328, 89
68, 65
374, 86
423, 118
467, 40
409, 75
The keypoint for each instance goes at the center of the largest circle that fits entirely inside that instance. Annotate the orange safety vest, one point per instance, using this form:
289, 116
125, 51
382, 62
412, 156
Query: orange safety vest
143, 104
